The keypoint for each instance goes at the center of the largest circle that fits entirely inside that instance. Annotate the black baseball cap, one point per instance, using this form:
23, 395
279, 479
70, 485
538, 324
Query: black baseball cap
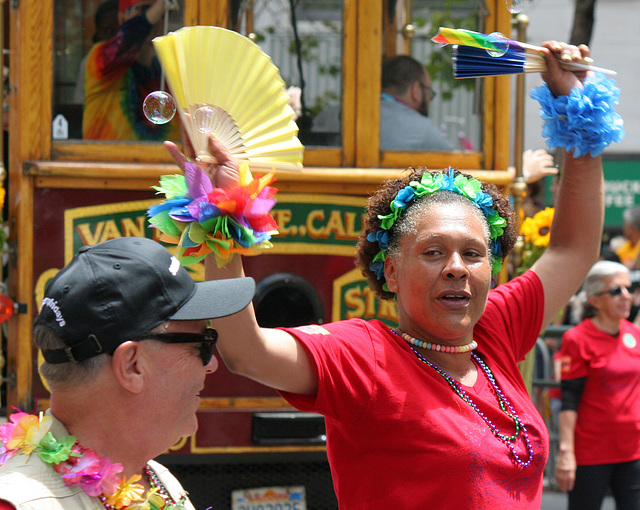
122, 289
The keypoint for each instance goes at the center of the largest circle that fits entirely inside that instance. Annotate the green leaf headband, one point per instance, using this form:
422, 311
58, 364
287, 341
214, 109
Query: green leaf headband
431, 183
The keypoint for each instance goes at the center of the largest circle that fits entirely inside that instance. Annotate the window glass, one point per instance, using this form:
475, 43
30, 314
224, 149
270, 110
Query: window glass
306, 46
454, 105
104, 66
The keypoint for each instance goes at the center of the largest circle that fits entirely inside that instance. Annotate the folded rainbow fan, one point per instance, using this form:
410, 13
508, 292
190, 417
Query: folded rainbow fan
476, 55
224, 84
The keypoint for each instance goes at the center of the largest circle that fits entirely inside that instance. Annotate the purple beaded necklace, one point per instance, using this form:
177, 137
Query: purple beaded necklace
505, 405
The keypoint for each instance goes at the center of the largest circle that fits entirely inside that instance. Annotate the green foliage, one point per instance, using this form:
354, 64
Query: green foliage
309, 50
308, 45
454, 14
530, 254
323, 101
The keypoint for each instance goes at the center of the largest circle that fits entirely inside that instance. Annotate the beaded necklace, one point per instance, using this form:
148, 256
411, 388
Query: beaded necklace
155, 482
505, 405
455, 349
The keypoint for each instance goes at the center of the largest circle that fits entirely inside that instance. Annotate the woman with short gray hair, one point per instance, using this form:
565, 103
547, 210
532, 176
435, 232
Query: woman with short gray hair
600, 418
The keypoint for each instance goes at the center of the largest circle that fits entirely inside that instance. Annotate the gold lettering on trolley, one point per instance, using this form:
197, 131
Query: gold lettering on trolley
111, 231
131, 229
362, 303
387, 309
105, 230
350, 225
318, 224
352, 300
370, 299
335, 225
84, 230
282, 217
312, 230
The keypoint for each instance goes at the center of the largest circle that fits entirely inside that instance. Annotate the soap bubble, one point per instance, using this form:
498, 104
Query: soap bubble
515, 6
206, 119
159, 107
499, 43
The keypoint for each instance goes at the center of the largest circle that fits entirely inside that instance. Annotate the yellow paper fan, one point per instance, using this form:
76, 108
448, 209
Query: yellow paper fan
228, 85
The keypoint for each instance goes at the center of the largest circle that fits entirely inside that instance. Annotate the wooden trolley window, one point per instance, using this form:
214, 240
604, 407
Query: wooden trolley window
332, 47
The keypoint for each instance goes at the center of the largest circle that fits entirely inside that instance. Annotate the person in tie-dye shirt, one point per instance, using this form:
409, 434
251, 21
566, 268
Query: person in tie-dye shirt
120, 73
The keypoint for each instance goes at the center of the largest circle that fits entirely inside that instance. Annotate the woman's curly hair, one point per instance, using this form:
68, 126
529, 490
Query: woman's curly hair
379, 204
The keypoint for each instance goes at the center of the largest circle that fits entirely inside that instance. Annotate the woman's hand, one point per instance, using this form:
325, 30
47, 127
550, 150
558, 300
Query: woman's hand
565, 471
537, 164
224, 171
559, 80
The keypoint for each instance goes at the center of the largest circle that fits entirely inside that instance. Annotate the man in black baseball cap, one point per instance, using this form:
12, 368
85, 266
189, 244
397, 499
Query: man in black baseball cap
123, 331
121, 289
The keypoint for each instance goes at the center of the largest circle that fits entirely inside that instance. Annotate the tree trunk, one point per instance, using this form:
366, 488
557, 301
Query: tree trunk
583, 22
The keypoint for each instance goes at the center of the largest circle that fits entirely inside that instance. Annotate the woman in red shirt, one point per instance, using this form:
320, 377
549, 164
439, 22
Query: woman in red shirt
600, 418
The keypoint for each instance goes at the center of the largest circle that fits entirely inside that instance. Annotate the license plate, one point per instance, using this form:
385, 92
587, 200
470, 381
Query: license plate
269, 498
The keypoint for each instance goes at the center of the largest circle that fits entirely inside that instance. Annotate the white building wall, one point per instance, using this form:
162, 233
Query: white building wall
615, 44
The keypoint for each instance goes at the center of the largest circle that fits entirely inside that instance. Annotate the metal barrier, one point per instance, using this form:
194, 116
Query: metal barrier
543, 369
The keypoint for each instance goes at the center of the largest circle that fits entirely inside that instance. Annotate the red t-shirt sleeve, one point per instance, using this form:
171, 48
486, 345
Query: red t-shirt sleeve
344, 356
513, 315
574, 362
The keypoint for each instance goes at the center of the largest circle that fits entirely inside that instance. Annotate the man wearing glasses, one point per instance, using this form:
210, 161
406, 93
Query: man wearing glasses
123, 331
404, 108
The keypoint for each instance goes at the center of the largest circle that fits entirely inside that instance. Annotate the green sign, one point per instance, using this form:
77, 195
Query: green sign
317, 224
309, 224
353, 298
622, 188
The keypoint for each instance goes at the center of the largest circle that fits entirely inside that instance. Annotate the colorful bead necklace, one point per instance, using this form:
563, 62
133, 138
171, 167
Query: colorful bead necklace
505, 405
455, 349
155, 482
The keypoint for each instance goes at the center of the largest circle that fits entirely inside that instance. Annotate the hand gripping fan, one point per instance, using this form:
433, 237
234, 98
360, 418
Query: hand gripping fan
224, 84
476, 55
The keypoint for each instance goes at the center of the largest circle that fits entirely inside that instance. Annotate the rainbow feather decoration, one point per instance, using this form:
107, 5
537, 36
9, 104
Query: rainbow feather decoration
476, 55
202, 219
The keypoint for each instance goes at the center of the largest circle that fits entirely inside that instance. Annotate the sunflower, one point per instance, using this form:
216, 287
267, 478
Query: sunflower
536, 230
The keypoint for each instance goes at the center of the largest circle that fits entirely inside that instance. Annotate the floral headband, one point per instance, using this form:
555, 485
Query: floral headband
431, 183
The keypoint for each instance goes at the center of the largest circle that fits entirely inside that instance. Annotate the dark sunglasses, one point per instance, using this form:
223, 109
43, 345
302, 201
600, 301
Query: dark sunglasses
207, 340
615, 291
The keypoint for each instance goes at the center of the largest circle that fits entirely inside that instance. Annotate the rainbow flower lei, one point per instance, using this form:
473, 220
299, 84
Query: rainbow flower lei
430, 183
27, 434
202, 219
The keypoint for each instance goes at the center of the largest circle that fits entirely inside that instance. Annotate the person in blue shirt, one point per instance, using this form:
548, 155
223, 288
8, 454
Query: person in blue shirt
404, 108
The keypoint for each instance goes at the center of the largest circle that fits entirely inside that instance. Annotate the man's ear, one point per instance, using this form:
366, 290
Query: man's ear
390, 273
128, 365
416, 92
